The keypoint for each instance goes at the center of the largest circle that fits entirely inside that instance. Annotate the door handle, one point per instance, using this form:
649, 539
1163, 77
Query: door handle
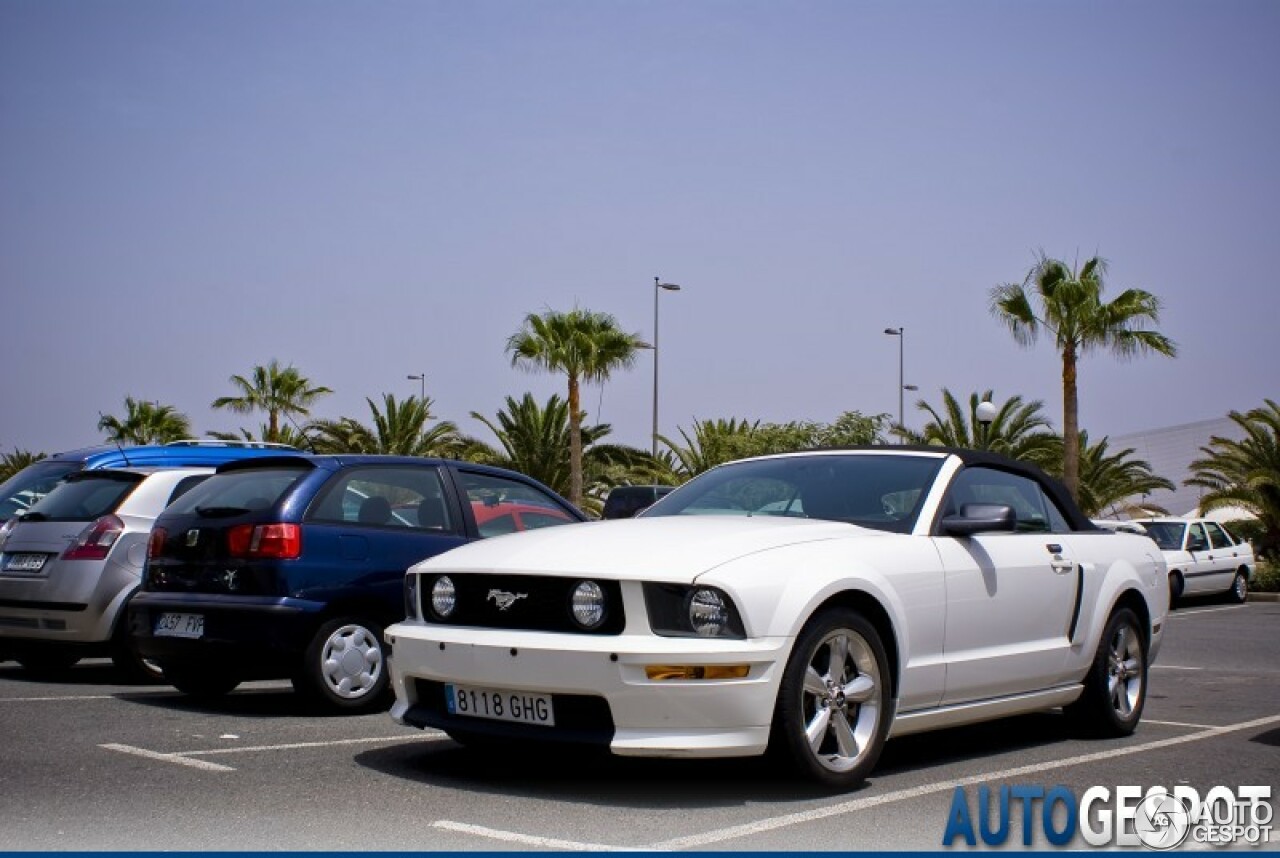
1062, 567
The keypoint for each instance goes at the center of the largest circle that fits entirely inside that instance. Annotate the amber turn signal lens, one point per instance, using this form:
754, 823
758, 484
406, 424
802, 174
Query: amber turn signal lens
696, 671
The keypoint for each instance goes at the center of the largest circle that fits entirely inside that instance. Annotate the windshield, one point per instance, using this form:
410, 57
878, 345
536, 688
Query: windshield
884, 492
23, 489
1167, 534
86, 496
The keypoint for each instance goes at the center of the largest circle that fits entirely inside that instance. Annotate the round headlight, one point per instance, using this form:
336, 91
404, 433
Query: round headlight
444, 598
588, 604
708, 613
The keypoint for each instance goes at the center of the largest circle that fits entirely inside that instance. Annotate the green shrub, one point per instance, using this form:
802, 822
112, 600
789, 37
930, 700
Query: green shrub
1266, 578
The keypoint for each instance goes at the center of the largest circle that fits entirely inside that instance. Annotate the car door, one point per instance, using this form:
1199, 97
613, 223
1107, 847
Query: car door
498, 504
1224, 555
1202, 569
375, 521
1011, 597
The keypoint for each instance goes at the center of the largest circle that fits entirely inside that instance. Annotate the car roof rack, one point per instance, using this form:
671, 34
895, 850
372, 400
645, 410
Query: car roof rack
230, 442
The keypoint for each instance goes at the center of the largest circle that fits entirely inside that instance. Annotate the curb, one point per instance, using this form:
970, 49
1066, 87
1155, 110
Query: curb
1264, 597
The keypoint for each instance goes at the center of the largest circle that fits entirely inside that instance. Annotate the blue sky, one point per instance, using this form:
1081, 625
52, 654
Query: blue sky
370, 190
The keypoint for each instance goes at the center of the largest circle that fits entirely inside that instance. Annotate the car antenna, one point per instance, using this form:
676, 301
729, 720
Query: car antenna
305, 437
119, 447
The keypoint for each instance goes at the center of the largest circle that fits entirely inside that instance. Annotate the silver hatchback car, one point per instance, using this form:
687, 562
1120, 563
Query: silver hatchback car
70, 563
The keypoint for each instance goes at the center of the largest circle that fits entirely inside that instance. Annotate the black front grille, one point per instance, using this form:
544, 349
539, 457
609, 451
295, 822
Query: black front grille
580, 718
532, 603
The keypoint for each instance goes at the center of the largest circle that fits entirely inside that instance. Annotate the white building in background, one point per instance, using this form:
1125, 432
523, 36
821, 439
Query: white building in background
1170, 453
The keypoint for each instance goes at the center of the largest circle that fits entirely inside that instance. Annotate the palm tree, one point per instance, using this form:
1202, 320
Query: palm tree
1109, 479
11, 463
713, 442
534, 439
146, 423
273, 390
1245, 473
399, 428
585, 346
1071, 311
1019, 430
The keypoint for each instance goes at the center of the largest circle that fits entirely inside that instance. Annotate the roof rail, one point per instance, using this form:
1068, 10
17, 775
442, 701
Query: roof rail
218, 442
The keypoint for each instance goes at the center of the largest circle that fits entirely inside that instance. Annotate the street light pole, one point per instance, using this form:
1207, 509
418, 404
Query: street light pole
901, 334
658, 286
985, 412
422, 377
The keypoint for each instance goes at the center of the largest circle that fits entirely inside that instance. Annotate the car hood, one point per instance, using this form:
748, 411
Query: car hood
670, 549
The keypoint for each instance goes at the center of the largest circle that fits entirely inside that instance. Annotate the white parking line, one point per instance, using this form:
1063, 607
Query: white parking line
1176, 614
166, 758
184, 758
528, 839
760, 826
1177, 724
57, 699
427, 735
1173, 667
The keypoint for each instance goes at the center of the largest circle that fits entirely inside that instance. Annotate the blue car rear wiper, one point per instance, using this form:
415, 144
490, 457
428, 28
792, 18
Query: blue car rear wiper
220, 511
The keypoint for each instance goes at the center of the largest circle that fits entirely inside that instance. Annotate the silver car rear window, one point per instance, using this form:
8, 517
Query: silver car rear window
85, 496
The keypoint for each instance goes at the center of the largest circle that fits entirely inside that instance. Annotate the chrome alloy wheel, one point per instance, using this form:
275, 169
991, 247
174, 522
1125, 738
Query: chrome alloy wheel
1125, 676
1240, 587
841, 700
351, 661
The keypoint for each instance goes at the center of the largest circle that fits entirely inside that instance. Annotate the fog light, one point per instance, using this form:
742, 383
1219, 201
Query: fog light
444, 598
588, 604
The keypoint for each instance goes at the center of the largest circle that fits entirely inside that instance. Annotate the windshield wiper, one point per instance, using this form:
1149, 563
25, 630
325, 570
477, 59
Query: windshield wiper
33, 516
220, 511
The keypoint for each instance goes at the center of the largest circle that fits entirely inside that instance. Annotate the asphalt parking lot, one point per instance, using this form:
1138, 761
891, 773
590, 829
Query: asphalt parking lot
86, 764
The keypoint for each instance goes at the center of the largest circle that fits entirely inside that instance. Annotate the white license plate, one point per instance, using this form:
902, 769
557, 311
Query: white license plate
520, 707
24, 562
180, 626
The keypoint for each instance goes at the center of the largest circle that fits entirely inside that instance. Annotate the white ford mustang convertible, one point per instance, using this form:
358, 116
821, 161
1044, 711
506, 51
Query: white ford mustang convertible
811, 605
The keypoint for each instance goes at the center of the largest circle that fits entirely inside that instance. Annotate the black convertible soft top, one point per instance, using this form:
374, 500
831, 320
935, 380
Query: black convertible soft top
1052, 486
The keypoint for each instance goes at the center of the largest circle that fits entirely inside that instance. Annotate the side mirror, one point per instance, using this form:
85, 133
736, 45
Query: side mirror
980, 518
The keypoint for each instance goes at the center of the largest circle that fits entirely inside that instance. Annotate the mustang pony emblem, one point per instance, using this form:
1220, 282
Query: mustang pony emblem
505, 600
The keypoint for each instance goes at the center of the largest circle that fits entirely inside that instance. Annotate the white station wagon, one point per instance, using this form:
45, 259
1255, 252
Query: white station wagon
811, 605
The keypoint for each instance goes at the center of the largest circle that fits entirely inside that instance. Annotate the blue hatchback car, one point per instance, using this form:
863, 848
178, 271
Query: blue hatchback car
292, 566
19, 492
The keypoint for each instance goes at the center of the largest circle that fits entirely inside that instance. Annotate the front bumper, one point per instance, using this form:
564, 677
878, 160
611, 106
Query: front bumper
599, 687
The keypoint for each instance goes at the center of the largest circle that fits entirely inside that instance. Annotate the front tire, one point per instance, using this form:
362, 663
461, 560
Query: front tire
834, 706
345, 666
1115, 688
1176, 585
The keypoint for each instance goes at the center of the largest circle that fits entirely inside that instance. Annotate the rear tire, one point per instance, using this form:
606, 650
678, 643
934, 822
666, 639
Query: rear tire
45, 660
835, 704
1240, 588
200, 681
1115, 688
129, 662
345, 666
